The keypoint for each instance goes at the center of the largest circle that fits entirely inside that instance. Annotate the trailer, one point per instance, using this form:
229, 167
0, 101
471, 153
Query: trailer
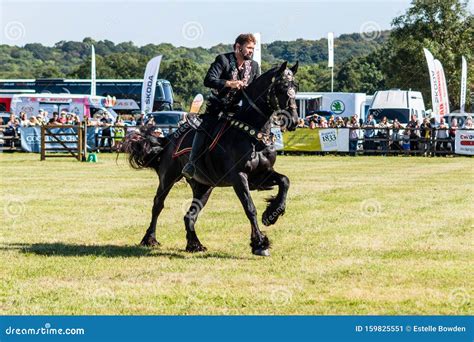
81, 105
340, 103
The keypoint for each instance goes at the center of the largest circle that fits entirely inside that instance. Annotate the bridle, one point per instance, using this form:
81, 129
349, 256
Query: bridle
285, 80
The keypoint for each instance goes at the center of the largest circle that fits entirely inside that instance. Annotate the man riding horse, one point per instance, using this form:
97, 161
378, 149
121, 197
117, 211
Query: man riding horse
245, 154
228, 75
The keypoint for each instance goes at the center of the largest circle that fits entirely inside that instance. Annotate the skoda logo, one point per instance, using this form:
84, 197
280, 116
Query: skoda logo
337, 107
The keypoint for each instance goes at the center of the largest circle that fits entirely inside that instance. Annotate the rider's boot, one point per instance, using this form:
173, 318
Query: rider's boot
198, 143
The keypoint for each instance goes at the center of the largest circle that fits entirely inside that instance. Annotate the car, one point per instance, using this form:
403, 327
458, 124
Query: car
4, 118
168, 120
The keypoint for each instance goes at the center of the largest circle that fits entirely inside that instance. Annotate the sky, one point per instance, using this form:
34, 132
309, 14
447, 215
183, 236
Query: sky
189, 23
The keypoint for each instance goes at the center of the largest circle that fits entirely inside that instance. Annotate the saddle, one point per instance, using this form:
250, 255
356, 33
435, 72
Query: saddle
185, 138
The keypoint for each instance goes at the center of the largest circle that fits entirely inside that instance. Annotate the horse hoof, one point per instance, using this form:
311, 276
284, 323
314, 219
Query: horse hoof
149, 242
261, 252
195, 248
269, 218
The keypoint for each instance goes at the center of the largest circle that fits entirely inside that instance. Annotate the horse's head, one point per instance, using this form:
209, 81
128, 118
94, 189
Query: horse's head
272, 95
281, 97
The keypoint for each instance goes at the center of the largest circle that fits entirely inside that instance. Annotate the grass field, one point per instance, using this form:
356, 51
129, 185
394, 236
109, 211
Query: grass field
364, 235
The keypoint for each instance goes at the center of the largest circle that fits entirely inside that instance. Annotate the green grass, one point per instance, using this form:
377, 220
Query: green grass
364, 235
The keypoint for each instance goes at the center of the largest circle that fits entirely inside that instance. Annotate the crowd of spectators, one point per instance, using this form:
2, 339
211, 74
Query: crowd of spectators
424, 135
109, 132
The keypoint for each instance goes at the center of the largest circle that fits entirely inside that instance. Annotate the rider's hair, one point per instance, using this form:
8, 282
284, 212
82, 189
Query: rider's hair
245, 38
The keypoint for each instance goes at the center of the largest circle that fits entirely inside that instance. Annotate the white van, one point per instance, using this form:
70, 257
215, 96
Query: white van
397, 104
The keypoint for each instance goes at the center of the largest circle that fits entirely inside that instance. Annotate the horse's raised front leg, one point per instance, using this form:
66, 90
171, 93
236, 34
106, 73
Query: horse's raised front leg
158, 204
201, 194
258, 241
276, 205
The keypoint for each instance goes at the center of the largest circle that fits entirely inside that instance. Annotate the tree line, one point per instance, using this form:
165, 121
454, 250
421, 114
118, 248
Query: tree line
363, 62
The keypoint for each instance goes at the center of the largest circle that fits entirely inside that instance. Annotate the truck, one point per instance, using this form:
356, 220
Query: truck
123, 90
340, 103
397, 104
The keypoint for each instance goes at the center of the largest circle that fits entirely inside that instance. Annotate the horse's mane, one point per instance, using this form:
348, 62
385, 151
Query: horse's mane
255, 91
261, 79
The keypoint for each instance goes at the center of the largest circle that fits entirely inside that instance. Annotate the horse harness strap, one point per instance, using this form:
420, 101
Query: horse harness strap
252, 104
266, 138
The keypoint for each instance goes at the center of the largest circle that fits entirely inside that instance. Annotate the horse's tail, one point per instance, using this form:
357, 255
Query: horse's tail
143, 148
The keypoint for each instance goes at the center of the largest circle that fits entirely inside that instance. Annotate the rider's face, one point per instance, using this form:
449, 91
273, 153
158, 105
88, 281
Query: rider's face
246, 50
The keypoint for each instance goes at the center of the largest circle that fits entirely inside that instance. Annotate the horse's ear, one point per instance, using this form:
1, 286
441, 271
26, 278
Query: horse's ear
282, 67
294, 68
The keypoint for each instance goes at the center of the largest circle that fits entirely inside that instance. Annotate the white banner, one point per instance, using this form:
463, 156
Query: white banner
149, 84
343, 140
257, 52
435, 95
443, 88
330, 50
328, 139
93, 81
278, 138
124, 104
462, 101
464, 142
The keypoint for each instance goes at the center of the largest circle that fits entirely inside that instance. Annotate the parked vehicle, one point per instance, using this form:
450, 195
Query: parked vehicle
168, 121
397, 104
341, 104
81, 105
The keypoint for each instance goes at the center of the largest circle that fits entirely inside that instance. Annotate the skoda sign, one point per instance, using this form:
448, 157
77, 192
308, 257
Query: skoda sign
338, 107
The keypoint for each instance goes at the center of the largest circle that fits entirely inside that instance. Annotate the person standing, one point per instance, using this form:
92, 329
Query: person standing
369, 134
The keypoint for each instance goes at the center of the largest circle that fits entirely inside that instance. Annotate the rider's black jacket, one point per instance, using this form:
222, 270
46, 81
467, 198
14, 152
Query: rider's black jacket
223, 69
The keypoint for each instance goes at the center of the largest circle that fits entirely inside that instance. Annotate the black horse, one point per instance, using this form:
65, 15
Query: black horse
241, 154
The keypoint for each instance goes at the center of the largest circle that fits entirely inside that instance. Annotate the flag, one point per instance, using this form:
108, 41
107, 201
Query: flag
330, 50
435, 95
257, 52
197, 103
149, 84
443, 89
93, 81
462, 101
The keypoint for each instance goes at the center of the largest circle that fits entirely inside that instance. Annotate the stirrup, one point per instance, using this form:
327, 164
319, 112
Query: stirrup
188, 170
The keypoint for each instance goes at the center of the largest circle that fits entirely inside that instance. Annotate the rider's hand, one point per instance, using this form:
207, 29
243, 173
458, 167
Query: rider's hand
234, 84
